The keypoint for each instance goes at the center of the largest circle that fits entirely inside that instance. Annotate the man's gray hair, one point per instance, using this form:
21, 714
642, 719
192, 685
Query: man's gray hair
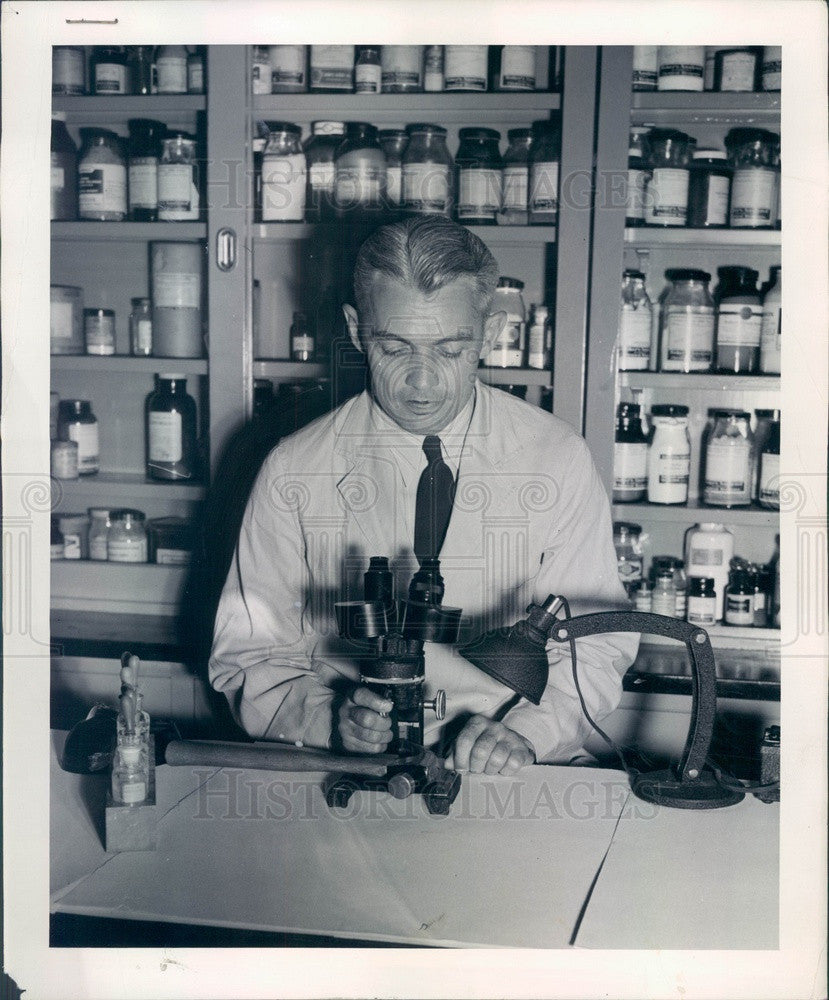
426, 253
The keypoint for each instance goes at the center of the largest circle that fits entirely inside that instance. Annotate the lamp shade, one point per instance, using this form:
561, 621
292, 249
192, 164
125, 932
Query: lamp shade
514, 656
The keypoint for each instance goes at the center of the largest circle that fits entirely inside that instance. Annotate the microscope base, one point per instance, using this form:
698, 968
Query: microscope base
438, 786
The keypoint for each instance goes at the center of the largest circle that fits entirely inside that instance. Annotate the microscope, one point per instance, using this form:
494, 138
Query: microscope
392, 633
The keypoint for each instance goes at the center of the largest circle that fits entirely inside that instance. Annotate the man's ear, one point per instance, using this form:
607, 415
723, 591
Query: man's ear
353, 322
493, 325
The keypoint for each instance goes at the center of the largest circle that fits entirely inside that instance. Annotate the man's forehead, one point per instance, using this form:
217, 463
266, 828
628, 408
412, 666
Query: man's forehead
391, 298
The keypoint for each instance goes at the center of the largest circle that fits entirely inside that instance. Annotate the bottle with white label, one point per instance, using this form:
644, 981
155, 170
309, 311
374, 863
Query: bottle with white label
283, 174
127, 537
433, 79
669, 455
739, 321
709, 547
771, 67
393, 142
289, 73
260, 70
478, 168
638, 174
736, 70
427, 171
102, 176
401, 69
99, 524
709, 187
635, 318
770, 344
663, 598
141, 328
687, 322
545, 158
332, 68
728, 461
320, 152
109, 71
171, 69
680, 67
702, 601
768, 492
644, 67
753, 154
666, 192
515, 178
77, 422
465, 67
75, 531
539, 339
368, 73
739, 599
144, 155
630, 456
63, 175
515, 68
302, 340
176, 270
178, 192
171, 430
628, 553
508, 349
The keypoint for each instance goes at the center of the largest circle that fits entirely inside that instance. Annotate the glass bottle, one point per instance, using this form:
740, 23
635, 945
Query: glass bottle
628, 553
739, 599
283, 174
687, 322
108, 70
99, 525
465, 67
302, 340
666, 196
145, 141
544, 166
320, 152
514, 67
709, 547
708, 190
763, 420
171, 430
360, 173
55, 541
171, 69
644, 67
680, 67
768, 493
63, 460
289, 74
178, 192
643, 596
102, 177
427, 171
540, 339
142, 69
367, 70
752, 155
433, 80
516, 178
728, 457
663, 599
141, 328
402, 69
260, 70
478, 168
770, 329
630, 456
669, 455
99, 331
702, 601
77, 422
739, 321
393, 142
508, 349
130, 773
63, 186
638, 175
771, 67
332, 69
635, 319
68, 76
736, 70
75, 531
195, 70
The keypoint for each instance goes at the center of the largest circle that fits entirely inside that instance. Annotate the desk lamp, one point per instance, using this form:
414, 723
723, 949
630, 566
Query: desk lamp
516, 657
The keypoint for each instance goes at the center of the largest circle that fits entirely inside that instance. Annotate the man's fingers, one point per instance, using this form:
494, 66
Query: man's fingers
519, 758
498, 758
369, 735
467, 740
366, 718
370, 699
355, 745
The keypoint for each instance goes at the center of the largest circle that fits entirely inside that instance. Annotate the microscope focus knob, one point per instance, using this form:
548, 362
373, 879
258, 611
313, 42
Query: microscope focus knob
438, 705
401, 785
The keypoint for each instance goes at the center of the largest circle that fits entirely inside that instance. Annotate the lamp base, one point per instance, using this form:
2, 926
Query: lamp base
665, 789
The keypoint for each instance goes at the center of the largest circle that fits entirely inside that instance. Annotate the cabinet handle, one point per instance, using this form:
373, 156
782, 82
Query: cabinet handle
226, 249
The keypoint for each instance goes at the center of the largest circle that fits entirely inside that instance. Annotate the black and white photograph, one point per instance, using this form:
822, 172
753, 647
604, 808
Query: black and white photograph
436, 508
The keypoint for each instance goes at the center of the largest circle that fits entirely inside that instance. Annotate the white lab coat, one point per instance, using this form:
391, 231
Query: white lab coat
530, 518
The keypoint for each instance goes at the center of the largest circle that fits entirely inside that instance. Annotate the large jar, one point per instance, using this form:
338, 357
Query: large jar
770, 342
283, 174
645, 66
728, 461
360, 173
176, 274
108, 71
687, 322
289, 74
708, 190
63, 201
739, 321
737, 69
666, 202
68, 69
332, 68
146, 137
669, 454
178, 191
171, 69
680, 67
752, 153
402, 69
368, 71
709, 547
515, 177
630, 456
638, 174
102, 176
77, 422
508, 349
635, 319
393, 142
545, 158
127, 536
320, 151
465, 67
66, 319
478, 165
171, 430
427, 171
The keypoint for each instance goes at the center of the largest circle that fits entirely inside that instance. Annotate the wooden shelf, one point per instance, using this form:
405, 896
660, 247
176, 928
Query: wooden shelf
173, 109
681, 107
693, 512
125, 488
287, 232
702, 382
515, 376
128, 231
118, 364
646, 236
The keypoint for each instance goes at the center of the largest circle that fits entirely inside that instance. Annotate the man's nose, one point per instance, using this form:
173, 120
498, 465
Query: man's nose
421, 374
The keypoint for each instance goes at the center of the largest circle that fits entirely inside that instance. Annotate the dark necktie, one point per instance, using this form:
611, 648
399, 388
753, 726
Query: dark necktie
433, 508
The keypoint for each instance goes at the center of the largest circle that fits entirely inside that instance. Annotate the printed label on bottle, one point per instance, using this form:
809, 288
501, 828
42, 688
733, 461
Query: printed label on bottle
394, 185
359, 185
99, 333
173, 557
171, 75
102, 188
283, 188
133, 792
635, 194
261, 78
644, 79
479, 193
330, 78
739, 325
543, 187
769, 489
707, 557
303, 344
772, 74
634, 339
728, 471
143, 337
143, 177
86, 437
110, 79
738, 609
56, 179
716, 210
702, 610
663, 604
770, 343
166, 443
174, 187
61, 333
689, 339
630, 467
666, 200
517, 67
516, 188
288, 77
738, 71
400, 77
465, 67
176, 290
753, 196
537, 346
68, 71
322, 176
672, 469
368, 80
98, 545
508, 349
630, 570
426, 187
127, 550
71, 546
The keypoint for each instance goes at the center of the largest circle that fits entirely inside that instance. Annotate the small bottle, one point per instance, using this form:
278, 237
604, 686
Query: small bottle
64, 460
141, 64
628, 553
545, 158
644, 67
195, 71
77, 422
638, 175
55, 541
669, 455
130, 774
145, 141
539, 339
708, 189
402, 69
663, 599
515, 178
708, 550
368, 72
99, 331
770, 329
508, 349
702, 601
433, 69
739, 321
99, 525
465, 67
768, 491
284, 174
260, 70
635, 320
127, 537
758, 579
68, 69
75, 531
643, 597
302, 340
630, 456
666, 195
289, 74
109, 71
63, 202
680, 67
736, 70
171, 69
178, 191
141, 328
739, 599
514, 68
171, 430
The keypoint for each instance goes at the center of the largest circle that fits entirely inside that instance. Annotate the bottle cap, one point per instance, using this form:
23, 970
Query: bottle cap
669, 410
709, 154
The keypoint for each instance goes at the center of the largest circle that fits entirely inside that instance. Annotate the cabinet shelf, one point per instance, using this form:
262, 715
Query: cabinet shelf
515, 376
679, 107
703, 382
119, 587
128, 231
119, 364
695, 512
289, 369
126, 488
92, 109
728, 637
287, 232
645, 236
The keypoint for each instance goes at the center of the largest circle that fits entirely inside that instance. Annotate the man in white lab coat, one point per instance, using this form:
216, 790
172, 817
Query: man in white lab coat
529, 518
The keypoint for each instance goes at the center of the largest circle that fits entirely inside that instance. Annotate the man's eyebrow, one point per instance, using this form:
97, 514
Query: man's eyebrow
465, 335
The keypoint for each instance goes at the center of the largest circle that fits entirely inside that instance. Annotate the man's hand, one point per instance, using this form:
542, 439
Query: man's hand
364, 725
488, 747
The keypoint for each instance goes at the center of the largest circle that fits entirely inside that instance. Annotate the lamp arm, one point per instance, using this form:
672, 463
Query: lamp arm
703, 669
